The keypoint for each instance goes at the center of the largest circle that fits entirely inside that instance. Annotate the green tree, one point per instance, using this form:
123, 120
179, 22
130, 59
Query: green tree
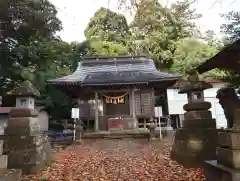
107, 25
189, 54
106, 34
29, 50
232, 31
23, 23
231, 28
157, 29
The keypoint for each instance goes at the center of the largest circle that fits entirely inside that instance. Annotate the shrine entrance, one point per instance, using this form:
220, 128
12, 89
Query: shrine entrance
116, 104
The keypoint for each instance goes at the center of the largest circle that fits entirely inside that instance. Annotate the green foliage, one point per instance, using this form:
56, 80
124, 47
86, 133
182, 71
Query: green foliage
107, 25
30, 51
23, 24
232, 30
157, 29
190, 53
105, 48
106, 34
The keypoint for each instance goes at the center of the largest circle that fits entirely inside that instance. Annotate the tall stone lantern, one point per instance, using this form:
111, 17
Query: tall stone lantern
27, 148
195, 142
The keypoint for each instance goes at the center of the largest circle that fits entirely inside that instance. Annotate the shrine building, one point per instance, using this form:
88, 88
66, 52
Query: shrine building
121, 89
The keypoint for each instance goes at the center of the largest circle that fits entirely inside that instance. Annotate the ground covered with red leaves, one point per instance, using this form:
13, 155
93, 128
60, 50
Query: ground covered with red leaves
116, 160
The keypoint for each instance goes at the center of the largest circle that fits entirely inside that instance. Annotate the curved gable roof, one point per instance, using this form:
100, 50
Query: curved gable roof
121, 70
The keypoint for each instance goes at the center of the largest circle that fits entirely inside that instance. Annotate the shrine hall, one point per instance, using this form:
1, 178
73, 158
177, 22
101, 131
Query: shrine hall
115, 92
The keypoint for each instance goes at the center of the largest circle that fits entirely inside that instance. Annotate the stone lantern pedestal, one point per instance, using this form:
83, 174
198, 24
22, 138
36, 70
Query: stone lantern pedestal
195, 142
226, 167
26, 147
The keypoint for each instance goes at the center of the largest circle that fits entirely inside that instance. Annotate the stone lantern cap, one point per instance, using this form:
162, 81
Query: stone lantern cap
197, 86
25, 89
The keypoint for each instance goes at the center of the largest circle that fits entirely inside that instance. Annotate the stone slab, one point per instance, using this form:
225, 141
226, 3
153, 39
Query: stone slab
202, 114
228, 157
214, 171
200, 123
23, 112
2, 128
23, 121
1, 147
195, 106
16, 142
11, 175
229, 139
31, 130
31, 160
3, 161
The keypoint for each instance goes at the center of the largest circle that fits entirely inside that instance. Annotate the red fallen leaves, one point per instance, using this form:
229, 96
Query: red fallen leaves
120, 160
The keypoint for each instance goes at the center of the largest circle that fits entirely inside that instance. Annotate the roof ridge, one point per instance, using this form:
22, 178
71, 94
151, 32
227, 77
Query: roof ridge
114, 59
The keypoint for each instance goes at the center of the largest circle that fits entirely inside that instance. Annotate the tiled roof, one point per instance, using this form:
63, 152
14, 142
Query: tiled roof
121, 70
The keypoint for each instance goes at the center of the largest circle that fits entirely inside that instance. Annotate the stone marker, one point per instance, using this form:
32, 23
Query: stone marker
195, 142
227, 165
27, 148
7, 174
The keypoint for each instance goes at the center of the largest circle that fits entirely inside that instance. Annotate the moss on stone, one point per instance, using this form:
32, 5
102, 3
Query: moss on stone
26, 88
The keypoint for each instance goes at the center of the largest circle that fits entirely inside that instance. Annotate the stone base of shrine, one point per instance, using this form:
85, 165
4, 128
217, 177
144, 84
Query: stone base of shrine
117, 134
215, 171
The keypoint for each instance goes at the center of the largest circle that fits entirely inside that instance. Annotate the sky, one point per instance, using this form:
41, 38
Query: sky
75, 14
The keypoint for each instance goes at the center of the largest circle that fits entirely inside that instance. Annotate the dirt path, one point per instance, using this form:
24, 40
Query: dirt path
118, 160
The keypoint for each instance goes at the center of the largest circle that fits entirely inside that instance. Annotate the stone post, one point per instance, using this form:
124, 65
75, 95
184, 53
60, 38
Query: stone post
27, 148
195, 142
7, 174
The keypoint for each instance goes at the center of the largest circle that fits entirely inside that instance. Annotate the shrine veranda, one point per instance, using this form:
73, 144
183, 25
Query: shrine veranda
122, 89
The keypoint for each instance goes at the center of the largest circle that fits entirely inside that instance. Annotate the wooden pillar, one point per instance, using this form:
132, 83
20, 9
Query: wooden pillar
135, 125
153, 101
96, 112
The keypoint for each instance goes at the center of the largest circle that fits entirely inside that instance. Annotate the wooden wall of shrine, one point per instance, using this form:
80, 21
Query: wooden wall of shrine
144, 104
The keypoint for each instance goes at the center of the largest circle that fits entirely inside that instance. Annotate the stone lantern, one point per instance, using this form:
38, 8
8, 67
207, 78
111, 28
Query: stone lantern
195, 142
25, 95
32, 151
152, 126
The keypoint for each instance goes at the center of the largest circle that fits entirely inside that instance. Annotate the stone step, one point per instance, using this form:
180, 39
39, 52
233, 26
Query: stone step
215, 171
228, 157
11, 175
